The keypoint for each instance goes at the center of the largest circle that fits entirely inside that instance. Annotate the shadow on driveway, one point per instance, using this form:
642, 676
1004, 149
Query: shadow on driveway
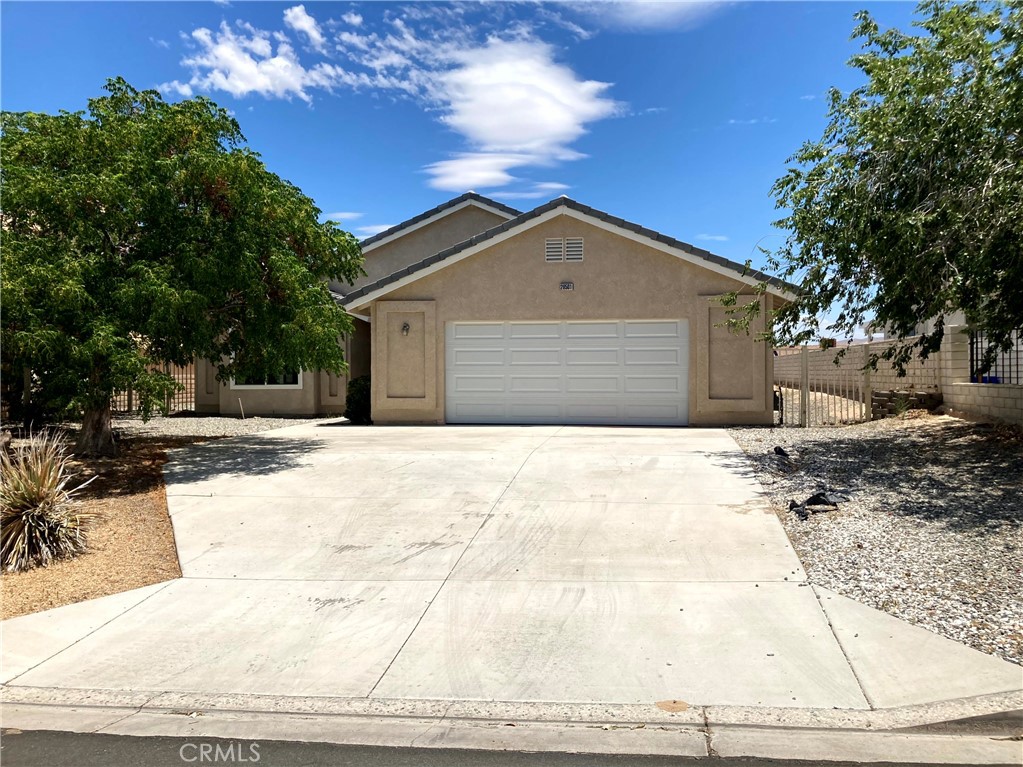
252, 456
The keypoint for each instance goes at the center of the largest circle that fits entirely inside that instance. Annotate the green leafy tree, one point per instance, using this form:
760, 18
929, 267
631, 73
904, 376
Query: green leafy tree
143, 233
910, 206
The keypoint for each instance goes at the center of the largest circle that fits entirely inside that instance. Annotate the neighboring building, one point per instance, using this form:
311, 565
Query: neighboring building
475, 313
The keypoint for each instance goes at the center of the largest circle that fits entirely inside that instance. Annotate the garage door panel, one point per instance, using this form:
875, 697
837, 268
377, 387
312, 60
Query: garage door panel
652, 384
591, 356
598, 372
592, 384
592, 330
668, 411
525, 410
477, 411
479, 330
652, 330
652, 356
550, 357
534, 330
469, 383
594, 411
543, 384
479, 356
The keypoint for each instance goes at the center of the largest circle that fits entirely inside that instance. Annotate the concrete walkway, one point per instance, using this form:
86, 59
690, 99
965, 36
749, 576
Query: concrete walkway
526, 565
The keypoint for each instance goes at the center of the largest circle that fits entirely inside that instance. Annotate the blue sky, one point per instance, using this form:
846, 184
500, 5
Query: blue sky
678, 116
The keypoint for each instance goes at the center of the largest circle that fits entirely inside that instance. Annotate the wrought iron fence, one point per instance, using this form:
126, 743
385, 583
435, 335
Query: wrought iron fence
1005, 368
182, 399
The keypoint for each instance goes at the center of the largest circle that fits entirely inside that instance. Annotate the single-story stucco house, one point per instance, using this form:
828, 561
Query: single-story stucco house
474, 312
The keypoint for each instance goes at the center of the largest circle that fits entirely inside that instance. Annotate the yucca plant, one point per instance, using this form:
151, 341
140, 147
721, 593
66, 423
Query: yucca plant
39, 519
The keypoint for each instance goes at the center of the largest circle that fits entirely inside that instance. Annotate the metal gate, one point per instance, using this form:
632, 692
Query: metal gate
182, 400
809, 395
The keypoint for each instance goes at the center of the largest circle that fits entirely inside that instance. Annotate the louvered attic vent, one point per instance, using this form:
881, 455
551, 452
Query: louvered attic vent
567, 249
573, 248
555, 250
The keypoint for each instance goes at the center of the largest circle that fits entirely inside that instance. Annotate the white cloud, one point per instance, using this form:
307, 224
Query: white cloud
808, 97
369, 231
174, 86
754, 121
513, 97
474, 170
648, 14
352, 18
344, 215
243, 62
509, 98
160, 43
297, 18
714, 237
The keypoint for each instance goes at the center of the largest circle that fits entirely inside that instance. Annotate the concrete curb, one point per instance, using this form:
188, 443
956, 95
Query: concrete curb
892, 735
1006, 705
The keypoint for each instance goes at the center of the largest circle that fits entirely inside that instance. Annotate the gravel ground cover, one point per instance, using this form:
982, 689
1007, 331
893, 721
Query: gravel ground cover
933, 529
203, 426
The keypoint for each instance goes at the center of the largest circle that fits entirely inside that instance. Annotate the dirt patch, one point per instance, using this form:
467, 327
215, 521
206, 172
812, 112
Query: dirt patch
131, 544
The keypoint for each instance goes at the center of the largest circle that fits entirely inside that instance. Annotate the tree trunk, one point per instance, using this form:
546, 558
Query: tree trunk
97, 434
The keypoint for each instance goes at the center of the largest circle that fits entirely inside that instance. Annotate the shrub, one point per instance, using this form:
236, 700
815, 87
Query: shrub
39, 520
357, 408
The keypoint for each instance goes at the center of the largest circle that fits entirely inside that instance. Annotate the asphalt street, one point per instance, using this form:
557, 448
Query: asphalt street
67, 749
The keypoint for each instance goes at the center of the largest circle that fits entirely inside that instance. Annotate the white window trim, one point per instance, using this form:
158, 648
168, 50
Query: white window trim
268, 387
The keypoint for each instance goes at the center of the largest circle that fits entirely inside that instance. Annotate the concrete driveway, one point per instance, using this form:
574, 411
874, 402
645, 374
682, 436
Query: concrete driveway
520, 564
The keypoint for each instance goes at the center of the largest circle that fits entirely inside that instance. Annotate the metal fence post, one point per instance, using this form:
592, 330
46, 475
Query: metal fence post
868, 393
804, 387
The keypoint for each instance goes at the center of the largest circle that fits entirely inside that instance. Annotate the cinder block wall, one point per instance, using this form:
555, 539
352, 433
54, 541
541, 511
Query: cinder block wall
920, 375
1002, 401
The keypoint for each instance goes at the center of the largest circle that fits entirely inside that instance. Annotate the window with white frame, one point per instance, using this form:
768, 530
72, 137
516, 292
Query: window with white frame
290, 380
559, 249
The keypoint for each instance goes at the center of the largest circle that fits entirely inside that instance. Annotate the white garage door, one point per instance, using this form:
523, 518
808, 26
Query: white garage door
609, 372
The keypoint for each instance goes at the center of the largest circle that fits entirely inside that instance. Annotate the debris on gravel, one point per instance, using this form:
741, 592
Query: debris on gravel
932, 531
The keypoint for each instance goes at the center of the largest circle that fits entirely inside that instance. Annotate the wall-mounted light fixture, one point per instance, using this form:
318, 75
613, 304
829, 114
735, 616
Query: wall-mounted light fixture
405, 328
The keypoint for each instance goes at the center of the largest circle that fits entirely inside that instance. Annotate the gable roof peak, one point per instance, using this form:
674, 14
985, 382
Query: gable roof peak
695, 255
439, 210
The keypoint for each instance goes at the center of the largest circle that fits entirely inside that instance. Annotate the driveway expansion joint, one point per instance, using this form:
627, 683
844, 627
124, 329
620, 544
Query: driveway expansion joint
845, 653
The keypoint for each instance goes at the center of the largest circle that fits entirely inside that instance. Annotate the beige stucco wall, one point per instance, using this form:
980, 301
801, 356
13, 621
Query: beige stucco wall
265, 401
729, 376
414, 246
207, 389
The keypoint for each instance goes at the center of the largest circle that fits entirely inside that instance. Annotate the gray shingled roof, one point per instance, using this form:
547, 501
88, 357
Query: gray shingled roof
440, 208
566, 202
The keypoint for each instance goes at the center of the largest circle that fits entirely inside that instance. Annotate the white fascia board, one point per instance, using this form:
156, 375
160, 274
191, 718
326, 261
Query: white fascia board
470, 251
678, 253
436, 217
